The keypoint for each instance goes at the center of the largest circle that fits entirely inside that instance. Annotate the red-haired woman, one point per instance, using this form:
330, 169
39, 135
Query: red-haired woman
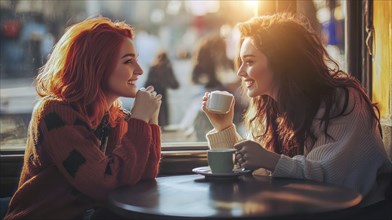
81, 143
305, 119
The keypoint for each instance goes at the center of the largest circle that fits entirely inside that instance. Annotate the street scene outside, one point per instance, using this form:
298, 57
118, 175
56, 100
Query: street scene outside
182, 29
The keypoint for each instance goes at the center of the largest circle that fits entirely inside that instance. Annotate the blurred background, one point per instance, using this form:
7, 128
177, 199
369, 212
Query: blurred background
198, 38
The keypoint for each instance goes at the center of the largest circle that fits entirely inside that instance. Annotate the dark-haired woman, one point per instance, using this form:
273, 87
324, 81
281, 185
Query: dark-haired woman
306, 120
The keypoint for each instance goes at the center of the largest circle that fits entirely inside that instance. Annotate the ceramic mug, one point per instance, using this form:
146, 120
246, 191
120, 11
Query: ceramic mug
221, 160
219, 102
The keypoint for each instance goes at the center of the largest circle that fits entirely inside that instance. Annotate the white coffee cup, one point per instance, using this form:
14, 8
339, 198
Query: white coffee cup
219, 102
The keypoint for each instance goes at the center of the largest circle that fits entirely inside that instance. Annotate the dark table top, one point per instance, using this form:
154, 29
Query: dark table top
194, 196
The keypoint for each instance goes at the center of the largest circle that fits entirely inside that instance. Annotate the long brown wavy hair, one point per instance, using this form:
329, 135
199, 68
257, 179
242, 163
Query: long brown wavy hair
307, 77
80, 65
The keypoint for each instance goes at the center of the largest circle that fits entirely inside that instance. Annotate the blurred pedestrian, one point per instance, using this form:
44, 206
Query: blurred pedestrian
161, 77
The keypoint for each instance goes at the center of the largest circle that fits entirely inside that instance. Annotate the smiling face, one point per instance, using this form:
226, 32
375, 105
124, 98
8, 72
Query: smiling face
255, 72
122, 81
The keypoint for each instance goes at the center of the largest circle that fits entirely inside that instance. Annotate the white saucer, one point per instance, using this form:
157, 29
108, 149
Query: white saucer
206, 171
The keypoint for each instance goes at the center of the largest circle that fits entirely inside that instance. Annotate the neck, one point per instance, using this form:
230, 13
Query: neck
274, 94
109, 102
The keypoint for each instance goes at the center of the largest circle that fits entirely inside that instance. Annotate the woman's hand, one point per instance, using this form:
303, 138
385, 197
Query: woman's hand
250, 155
218, 121
154, 118
146, 105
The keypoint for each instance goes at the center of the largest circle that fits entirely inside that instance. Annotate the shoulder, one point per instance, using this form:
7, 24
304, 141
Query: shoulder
55, 112
349, 99
48, 105
345, 101
152, 68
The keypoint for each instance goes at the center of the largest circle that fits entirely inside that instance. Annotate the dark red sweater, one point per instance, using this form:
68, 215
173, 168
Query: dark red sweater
66, 173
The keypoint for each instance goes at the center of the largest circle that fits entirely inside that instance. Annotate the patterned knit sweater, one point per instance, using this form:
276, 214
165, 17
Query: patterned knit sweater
65, 172
354, 157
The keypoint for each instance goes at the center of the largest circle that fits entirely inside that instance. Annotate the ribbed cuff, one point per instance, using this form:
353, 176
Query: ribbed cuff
284, 167
156, 134
223, 139
136, 142
139, 129
155, 151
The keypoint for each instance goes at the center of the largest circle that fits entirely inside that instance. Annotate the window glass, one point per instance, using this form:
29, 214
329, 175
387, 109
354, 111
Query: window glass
29, 30
330, 15
382, 60
185, 30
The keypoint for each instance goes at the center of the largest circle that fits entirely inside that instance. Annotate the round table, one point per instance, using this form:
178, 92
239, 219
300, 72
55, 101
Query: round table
193, 196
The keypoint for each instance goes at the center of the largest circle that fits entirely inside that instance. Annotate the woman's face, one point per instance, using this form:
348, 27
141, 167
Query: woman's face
255, 72
122, 81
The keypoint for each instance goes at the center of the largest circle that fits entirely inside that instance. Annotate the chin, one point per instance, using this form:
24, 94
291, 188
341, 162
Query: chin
132, 94
257, 92
251, 94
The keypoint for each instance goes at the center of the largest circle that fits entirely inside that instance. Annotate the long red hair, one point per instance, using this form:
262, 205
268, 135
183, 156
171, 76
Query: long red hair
80, 64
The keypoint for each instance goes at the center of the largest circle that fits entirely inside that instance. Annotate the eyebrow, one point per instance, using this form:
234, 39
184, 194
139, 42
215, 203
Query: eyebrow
129, 55
248, 55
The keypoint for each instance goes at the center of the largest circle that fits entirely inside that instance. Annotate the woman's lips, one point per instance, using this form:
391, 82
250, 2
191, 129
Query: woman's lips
249, 83
132, 82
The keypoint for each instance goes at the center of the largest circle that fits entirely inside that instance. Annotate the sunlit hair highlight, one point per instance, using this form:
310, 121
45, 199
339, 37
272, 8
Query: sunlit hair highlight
306, 76
78, 69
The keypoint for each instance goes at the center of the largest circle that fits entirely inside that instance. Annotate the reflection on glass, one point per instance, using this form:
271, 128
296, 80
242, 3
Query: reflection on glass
29, 30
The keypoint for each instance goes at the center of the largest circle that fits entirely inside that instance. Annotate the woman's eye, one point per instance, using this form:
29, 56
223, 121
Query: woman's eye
249, 62
129, 61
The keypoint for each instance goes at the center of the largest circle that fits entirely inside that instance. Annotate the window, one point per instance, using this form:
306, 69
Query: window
331, 15
382, 66
382, 60
29, 29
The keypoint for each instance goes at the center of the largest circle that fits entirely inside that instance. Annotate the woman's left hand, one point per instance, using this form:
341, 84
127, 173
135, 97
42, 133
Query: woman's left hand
147, 104
154, 118
250, 155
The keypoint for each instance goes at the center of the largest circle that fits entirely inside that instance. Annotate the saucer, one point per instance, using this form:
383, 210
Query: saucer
206, 171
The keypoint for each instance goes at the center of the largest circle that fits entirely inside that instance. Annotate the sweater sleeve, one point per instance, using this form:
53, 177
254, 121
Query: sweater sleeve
352, 157
223, 139
151, 170
74, 150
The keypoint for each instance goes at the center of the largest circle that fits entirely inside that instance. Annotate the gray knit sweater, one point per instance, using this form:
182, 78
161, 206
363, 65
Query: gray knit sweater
355, 158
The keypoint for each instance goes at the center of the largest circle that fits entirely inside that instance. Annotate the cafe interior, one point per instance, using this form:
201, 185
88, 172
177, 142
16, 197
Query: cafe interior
356, 33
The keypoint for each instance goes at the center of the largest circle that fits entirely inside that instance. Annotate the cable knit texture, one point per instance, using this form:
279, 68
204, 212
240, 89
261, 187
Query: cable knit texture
355, 156
223, 139
65, 172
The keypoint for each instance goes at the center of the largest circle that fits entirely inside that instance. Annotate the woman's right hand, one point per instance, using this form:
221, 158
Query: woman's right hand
218, 121
147, 103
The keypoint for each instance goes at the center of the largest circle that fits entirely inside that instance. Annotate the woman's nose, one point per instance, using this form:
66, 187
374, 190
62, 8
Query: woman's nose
241, 72
138, 70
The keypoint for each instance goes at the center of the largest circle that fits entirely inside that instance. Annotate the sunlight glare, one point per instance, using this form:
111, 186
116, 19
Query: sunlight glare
253, 5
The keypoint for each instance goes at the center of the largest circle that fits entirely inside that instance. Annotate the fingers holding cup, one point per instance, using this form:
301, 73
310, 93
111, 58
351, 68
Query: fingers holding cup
159, 97
150, 88
205, 97
218, 102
